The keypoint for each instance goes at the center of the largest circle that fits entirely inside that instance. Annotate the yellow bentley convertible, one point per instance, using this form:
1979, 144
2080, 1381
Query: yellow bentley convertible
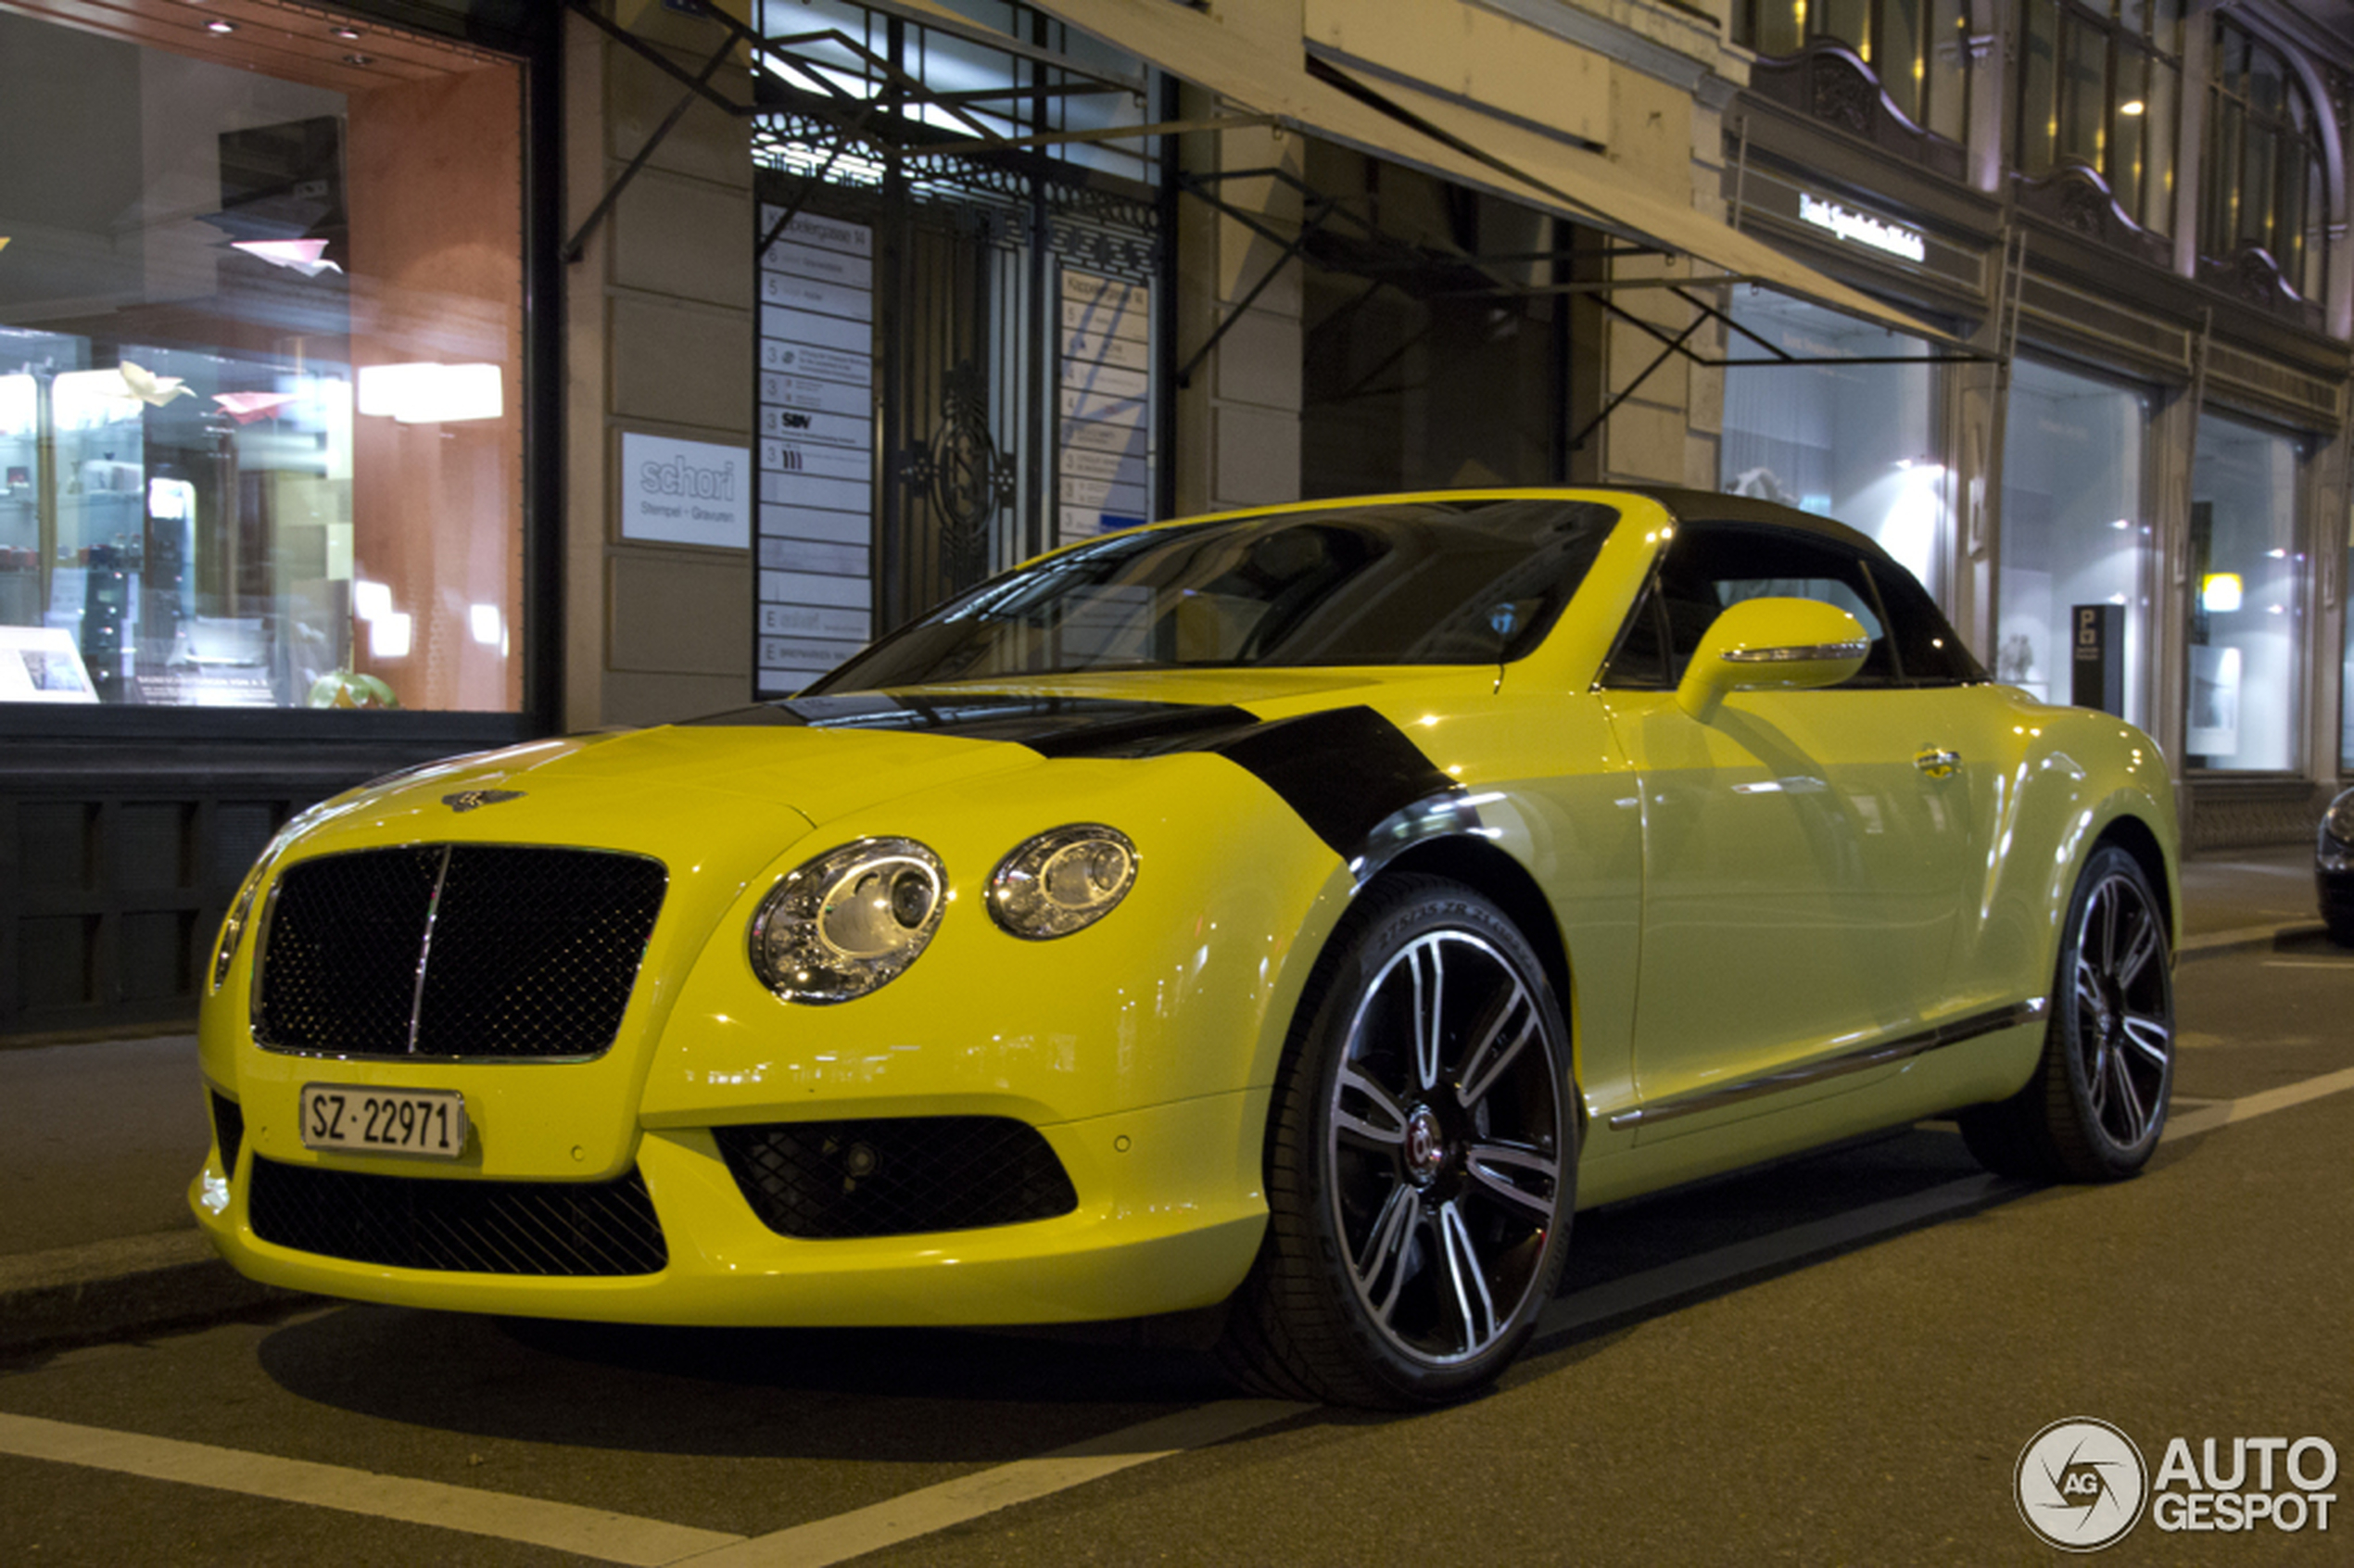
1297, 912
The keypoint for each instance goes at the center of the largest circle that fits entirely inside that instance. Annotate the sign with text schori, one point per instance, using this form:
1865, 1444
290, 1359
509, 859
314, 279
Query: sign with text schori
685, 493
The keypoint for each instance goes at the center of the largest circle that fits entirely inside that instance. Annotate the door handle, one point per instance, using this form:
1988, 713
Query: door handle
1937, 762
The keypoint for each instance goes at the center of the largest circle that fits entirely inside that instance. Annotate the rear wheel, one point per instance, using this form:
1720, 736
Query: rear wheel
1421, 1163
2096, 1105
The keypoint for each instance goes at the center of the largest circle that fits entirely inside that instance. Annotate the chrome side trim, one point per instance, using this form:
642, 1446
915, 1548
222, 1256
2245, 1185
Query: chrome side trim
1801, 654
1901, 1048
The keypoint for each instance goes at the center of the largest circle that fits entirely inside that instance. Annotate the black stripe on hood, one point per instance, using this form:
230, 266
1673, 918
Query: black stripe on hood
1054, 726
1357, 780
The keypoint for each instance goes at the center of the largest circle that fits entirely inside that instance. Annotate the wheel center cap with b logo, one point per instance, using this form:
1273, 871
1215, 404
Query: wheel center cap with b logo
1425, 1146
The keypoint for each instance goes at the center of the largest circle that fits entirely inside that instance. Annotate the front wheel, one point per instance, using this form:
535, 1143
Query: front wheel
1421, 1159
2096, 1104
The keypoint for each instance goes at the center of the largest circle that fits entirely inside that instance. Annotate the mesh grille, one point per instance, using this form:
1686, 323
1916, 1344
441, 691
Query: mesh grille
830, 1179
228, 1130
524, 952
458, 1225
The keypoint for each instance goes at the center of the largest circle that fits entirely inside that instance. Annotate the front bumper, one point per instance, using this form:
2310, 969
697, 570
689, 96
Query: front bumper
1169, 1217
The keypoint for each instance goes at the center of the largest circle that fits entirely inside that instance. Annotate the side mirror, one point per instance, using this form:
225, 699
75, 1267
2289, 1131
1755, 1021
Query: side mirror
1772, 645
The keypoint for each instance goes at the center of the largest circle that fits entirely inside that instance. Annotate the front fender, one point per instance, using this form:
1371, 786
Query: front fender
1186, 989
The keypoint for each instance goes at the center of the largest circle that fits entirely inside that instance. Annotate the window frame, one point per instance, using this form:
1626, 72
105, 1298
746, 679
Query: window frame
1922, 104
2144, 194
2293, 173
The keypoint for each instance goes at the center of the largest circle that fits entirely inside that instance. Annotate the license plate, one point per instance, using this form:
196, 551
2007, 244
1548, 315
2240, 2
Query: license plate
411, 1121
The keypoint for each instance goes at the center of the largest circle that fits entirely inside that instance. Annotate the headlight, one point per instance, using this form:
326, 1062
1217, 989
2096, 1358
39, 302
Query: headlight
849, 921
1063, 880
2338, 822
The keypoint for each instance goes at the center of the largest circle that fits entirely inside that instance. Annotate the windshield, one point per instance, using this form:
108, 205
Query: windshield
1468, 582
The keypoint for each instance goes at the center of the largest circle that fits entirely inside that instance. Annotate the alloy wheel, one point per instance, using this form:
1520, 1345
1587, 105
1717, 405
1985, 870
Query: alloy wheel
1443, 1147
2124, 1030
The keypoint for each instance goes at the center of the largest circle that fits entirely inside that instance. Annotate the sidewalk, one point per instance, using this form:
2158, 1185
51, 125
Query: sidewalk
98, 1143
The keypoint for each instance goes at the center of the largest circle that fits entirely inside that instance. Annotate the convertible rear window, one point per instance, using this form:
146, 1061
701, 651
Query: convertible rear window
1470, 582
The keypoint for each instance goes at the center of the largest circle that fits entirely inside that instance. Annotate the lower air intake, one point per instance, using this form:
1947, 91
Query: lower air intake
596, 1228
901, 1176
229, 1131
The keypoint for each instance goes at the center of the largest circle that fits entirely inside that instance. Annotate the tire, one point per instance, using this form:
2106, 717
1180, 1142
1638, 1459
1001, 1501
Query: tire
1422, 1161
2096, 1105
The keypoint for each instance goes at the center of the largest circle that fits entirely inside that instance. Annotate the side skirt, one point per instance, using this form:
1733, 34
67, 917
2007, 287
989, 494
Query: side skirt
1901, 1048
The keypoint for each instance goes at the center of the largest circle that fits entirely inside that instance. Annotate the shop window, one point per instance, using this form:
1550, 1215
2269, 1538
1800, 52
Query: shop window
260, 370
1919, 51
2075, 533
2247, 612
1856, 442
2098, 88
2266, 176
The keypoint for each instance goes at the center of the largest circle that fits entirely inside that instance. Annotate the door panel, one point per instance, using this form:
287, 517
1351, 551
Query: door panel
1804, 884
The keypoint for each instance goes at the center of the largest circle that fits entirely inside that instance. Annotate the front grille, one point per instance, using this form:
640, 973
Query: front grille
228, 1130
459, 1225
455, 950
831, 1180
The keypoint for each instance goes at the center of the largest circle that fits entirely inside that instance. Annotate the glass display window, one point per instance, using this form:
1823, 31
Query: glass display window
1856, 442
260, 363
2247, 574
2074, 530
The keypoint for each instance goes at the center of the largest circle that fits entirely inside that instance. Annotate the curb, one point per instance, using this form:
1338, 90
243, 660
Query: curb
120, 1289
2246, 936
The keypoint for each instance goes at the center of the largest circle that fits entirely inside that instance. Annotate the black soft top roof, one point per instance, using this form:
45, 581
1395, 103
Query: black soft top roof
1713, 506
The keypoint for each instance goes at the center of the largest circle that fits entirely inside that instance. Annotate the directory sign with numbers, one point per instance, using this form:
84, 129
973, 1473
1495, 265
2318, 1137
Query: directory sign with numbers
1103, 460
816, 450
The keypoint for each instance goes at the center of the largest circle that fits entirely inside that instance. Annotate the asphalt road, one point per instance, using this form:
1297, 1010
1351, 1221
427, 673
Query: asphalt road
1838, 1359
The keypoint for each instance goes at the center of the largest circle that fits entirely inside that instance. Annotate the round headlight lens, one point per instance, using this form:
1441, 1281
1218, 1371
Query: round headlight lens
849, 921
2339, 820
1063, 880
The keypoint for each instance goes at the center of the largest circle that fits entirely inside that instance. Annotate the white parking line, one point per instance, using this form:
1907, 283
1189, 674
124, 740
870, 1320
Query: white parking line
621, 1537
2223, 1113
846, 1536
652, 1543
591, 1532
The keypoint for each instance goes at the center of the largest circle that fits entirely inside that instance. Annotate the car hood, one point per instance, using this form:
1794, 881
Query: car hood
770, 772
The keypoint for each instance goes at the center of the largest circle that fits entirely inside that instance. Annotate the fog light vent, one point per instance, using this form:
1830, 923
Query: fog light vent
901, 1176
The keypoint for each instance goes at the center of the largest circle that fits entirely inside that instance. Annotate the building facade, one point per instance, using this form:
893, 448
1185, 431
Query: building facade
380, 381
